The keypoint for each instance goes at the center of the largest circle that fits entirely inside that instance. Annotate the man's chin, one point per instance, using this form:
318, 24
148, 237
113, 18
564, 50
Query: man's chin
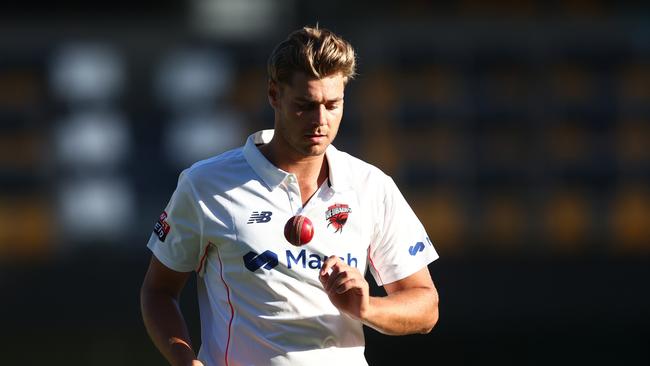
315, 150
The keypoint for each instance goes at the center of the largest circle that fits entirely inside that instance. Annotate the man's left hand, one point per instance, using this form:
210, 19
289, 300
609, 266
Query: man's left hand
346, 287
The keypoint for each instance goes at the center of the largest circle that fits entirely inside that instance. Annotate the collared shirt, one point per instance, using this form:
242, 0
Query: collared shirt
260, 299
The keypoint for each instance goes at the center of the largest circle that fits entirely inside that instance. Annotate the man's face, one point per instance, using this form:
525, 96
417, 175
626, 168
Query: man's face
308, 112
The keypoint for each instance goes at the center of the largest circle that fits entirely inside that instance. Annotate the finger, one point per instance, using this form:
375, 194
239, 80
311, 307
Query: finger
324, 278
347, 285
333, 276
343, 280
348, 278
328, 264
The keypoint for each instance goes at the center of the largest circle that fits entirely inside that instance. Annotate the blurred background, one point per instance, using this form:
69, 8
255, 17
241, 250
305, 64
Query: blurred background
518, 130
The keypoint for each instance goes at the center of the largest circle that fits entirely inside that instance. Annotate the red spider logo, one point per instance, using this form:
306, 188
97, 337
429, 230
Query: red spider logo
337, 215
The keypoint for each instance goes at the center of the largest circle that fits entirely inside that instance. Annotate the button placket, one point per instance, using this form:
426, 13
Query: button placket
293, 192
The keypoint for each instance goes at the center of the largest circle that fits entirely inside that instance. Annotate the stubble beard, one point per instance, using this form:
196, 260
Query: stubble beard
310, 150
295, 145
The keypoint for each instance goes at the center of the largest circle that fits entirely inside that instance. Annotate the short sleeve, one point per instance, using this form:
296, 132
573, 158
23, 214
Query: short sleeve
401, 245
176, 238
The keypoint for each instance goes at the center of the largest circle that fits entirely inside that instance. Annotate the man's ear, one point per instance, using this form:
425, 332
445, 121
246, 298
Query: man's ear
273, 93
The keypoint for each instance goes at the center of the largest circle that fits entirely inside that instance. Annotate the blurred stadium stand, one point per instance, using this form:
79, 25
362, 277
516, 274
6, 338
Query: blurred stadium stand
518, 130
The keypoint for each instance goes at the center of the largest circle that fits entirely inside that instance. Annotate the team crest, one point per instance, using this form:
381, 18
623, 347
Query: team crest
337, 215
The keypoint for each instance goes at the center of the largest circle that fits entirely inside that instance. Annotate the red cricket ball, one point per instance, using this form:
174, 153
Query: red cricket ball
299, 230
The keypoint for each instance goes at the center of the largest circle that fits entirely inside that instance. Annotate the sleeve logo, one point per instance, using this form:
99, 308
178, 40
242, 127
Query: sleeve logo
161, 228
415, 249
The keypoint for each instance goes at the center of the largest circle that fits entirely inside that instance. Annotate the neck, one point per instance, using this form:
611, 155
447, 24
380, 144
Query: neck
309, 170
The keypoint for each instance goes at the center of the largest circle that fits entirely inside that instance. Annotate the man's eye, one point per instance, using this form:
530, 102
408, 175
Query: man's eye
304, 106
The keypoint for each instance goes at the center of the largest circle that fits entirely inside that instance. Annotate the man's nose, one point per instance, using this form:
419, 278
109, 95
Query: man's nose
320, 118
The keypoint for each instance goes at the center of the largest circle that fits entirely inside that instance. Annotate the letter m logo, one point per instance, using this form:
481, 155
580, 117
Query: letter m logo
254, 261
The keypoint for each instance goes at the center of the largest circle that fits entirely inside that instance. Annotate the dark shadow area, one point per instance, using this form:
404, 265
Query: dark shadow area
505, 311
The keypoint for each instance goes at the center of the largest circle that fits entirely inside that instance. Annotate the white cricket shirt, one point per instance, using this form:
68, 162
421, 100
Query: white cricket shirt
260, 299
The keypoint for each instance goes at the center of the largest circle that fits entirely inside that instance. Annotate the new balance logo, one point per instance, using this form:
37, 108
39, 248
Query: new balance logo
415, 249
259, 217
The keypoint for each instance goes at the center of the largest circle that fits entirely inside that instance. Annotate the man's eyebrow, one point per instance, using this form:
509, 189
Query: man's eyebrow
306, 100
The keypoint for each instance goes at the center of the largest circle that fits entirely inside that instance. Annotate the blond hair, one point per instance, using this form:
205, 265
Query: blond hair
318, 52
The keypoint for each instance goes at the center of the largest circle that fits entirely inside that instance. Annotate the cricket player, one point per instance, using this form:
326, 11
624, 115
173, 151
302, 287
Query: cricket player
262, 299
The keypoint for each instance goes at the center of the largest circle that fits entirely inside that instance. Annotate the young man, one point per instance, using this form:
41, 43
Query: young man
264, 301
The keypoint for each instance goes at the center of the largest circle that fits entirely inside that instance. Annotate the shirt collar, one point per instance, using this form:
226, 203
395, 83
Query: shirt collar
270, 174
274, 176
339, 174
